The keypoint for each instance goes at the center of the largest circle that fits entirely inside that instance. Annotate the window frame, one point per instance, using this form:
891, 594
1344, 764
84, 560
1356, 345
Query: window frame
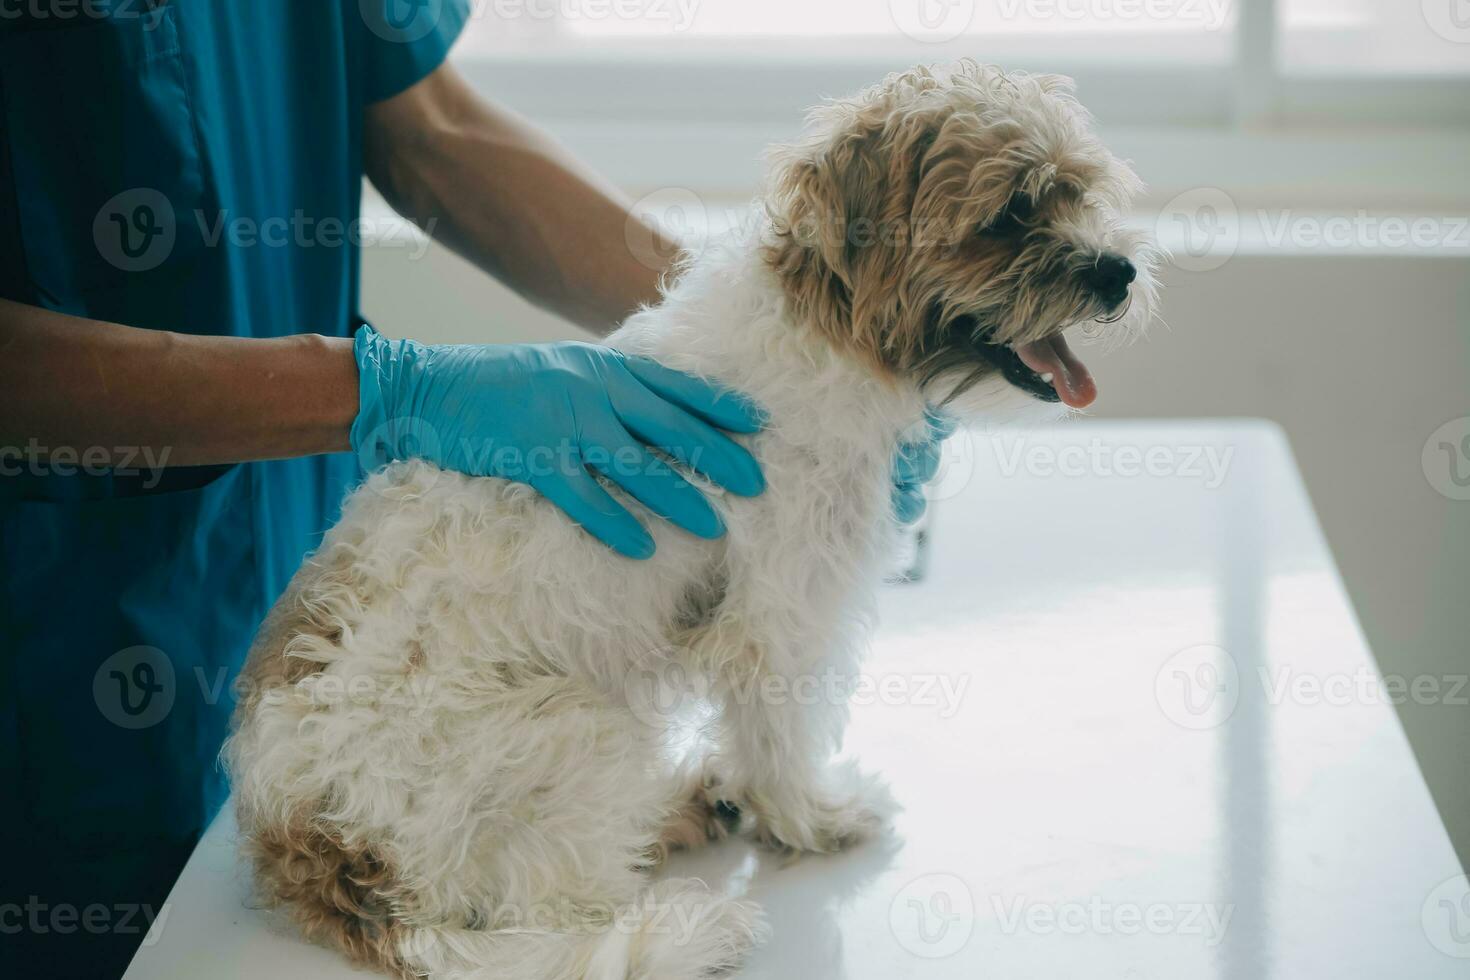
1241, 122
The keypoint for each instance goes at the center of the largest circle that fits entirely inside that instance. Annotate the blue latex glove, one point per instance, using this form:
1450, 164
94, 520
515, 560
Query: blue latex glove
914, 466
543, 414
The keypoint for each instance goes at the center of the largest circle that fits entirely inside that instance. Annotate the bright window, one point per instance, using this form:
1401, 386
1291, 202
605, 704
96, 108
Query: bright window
1375, 36
908, 29
1255, 94
1314, 36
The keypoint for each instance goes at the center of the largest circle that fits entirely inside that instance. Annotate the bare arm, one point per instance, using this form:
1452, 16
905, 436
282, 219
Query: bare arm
82, 384
485, 181
506, 196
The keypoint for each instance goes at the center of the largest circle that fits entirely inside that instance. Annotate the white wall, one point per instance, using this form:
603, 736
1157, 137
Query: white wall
1358, 356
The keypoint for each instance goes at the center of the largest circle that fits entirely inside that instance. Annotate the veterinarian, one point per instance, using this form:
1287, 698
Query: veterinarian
183, 404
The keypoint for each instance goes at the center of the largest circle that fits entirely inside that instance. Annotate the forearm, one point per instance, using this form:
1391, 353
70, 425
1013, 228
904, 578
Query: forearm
510, 199
92, 386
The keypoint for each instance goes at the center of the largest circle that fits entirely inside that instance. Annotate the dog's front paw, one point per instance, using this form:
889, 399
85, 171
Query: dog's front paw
701, 815
845, 807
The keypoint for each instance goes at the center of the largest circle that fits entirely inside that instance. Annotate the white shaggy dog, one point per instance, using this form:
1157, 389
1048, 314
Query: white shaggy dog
437, 763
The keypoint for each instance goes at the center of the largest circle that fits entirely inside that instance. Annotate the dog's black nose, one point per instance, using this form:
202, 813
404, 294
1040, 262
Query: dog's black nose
1110, 275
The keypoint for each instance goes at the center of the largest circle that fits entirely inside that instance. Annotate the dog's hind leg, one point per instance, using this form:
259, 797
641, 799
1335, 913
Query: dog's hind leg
674, 930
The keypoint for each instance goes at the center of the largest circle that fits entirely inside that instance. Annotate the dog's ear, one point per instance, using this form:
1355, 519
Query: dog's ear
842, 205
827, 191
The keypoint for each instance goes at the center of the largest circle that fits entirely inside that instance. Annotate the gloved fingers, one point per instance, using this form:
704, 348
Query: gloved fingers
717, 405
653, 482
942, 425
909, 503
580, 496
691, 441
917, 462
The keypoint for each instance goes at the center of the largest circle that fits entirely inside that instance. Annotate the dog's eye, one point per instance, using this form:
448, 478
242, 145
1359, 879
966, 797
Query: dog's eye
1018, 212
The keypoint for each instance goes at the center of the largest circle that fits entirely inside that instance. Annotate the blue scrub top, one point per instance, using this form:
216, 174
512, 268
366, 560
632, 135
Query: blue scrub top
193, 166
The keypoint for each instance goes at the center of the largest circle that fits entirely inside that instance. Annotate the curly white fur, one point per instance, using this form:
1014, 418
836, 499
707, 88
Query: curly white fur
442, 764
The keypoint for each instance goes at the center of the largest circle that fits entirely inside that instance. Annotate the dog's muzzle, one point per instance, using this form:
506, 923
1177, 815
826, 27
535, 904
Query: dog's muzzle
1109, 279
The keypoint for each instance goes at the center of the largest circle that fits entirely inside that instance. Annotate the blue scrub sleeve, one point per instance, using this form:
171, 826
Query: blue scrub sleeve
405, 40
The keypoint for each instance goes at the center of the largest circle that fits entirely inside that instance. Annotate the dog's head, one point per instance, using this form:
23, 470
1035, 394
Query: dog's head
949, 224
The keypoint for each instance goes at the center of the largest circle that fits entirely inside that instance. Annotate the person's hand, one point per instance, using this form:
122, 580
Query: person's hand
550, 415
915, 465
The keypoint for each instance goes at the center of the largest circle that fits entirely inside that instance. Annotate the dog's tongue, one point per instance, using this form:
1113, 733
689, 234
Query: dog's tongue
1069, 376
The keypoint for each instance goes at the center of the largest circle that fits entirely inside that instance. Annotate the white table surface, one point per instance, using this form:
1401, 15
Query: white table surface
1164, 750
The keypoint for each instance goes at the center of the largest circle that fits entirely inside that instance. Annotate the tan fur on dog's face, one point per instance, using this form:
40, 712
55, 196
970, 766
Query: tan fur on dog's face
945, 210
